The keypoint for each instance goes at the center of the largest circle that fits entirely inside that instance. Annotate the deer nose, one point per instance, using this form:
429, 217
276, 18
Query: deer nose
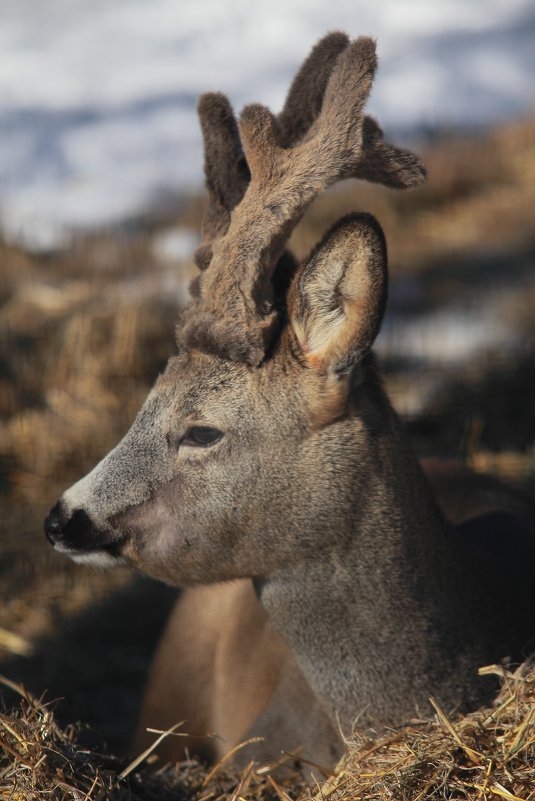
75, 531
55, 522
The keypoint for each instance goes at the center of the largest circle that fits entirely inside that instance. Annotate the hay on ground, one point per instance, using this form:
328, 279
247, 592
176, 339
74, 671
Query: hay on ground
483, 756
40, 760
487, 755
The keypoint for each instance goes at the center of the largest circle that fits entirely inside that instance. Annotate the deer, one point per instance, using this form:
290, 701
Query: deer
268, 475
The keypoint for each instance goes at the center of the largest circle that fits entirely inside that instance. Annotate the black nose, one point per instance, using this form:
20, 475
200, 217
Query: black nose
55, 522
75, 531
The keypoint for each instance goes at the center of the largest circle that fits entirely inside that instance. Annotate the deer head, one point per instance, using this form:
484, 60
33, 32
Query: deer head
264, 422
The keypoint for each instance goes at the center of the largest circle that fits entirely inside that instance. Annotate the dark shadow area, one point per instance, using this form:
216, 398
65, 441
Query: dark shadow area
96, 667
497, 401
455, 278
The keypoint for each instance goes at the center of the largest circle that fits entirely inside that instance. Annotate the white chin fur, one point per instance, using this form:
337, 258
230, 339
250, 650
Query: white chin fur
95, 558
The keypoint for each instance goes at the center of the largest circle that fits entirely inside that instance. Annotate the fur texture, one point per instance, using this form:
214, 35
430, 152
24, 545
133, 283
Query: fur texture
320, 137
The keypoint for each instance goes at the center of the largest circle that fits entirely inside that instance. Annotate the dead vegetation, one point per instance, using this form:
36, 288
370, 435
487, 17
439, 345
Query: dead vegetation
488, 754
484, 756
41, 760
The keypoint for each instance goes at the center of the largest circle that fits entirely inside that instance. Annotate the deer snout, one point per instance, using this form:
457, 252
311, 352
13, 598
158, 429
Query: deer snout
75, 534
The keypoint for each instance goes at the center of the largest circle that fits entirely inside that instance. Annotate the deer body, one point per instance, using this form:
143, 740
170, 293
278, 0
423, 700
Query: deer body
386, 603
268, 456
227, 670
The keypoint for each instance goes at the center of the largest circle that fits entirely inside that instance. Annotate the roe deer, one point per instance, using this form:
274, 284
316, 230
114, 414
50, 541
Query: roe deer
268, 465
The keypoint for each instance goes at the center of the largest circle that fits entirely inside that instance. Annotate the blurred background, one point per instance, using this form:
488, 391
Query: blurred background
100, 206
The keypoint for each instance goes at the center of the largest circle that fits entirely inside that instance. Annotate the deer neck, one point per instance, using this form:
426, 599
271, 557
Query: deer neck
377, 611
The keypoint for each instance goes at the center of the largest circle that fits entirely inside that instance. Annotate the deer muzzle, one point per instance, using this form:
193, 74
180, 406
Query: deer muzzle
75, 534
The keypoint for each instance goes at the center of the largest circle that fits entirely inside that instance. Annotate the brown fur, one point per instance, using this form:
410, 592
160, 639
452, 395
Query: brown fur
226, 170
320, 137
227, 671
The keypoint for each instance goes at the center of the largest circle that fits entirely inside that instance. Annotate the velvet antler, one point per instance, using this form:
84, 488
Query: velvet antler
226, 171
320, 137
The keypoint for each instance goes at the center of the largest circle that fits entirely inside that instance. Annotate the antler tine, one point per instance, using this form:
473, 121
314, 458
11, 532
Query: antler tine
336, 131
226, 171
386, 164
305, 96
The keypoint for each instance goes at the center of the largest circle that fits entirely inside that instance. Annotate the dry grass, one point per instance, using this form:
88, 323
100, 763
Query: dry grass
484, 756
40, 760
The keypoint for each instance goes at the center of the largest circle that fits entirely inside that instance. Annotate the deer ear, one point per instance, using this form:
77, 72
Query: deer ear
338, 299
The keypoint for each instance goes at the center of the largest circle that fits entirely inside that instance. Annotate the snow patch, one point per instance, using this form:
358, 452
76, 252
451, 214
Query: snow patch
97, 98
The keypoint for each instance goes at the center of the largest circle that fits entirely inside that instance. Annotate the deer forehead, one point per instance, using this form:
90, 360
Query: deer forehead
199, 387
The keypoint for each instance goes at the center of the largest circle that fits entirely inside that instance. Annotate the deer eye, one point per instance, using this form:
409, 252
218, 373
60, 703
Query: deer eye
201, 436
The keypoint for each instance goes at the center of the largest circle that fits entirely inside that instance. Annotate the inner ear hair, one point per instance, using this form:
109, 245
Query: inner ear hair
338, 298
